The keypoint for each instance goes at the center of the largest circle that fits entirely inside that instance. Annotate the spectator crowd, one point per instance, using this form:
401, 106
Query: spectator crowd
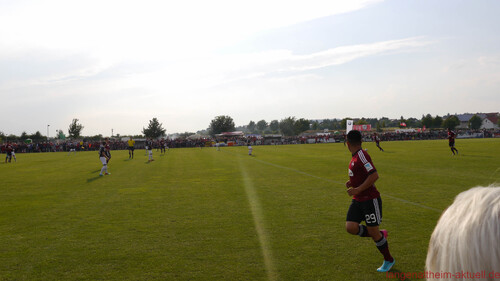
116, 144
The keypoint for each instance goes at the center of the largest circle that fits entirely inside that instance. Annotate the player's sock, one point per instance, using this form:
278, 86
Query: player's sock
383, 247
452, 151
363, 231
103, 169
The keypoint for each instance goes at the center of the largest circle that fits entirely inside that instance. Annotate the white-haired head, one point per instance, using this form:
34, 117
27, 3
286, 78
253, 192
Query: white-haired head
467, 236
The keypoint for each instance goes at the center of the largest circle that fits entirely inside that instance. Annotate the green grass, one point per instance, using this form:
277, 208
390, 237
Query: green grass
223, 215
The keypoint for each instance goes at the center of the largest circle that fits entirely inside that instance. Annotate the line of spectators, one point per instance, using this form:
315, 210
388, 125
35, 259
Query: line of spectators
83, 145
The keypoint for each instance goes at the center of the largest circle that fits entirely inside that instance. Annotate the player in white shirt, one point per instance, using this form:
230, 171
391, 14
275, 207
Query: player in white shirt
149, 145
103, 156
71, 148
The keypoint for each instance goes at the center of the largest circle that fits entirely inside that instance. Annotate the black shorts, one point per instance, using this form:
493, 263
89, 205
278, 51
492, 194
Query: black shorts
369, 211
131, 148
452, 144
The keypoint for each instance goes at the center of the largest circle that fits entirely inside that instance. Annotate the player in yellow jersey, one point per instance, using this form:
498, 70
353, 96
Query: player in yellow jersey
131, 144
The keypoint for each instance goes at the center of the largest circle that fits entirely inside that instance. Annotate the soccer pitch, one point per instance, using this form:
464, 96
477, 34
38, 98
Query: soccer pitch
203, 214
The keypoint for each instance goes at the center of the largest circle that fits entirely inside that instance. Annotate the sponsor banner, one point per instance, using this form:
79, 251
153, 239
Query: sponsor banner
367, 127
349, 125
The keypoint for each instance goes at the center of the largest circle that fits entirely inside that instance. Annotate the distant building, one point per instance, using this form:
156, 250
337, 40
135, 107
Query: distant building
490, 120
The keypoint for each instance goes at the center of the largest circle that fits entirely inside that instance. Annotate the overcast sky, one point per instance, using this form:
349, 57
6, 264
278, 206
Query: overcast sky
117, 64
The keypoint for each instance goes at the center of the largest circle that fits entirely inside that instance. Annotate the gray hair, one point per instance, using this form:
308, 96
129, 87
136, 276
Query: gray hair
467, 236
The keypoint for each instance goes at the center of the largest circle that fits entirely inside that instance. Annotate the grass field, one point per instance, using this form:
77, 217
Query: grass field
223, 215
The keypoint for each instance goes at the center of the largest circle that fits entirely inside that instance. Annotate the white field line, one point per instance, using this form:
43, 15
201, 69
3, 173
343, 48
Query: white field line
258, 220
341, 183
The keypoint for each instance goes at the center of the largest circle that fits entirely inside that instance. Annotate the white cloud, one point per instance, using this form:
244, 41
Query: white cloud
218, 70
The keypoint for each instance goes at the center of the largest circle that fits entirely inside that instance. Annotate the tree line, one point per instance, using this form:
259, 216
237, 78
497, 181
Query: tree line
289, 126
153, 130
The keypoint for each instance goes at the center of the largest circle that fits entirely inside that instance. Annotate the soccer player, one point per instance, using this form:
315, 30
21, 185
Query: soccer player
8, 149
107, 151
451, 139
250, 149
366, 204
71, 148
149, 147
377, 142
103, 156
13, 153
163, 145
131, 144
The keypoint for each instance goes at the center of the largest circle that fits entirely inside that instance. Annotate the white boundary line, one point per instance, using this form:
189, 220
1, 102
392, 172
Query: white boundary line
258, 219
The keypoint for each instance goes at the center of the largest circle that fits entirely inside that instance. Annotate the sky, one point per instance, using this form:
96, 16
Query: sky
115, 65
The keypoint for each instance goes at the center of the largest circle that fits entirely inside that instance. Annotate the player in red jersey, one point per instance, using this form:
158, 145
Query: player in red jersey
163, 145
451, 139
8, 149
377, 142
366, 204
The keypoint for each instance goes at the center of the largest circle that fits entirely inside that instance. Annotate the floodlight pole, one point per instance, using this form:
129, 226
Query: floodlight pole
48, 132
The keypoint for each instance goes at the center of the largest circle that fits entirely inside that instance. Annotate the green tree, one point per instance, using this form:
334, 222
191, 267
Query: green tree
36, 137
475, 122
287, 127
384, 122
251, 127
301, 125
343, 123
361, 121
75, 129
261, 126
451, 122
274, 126
326, 124
221, 124
154, 130
24, 136
379, 128
413, 122
315, 125
437, 122
427, 121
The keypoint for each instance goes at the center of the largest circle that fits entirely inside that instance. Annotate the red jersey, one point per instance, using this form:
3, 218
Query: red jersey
451, 136
108, 150
360, 167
